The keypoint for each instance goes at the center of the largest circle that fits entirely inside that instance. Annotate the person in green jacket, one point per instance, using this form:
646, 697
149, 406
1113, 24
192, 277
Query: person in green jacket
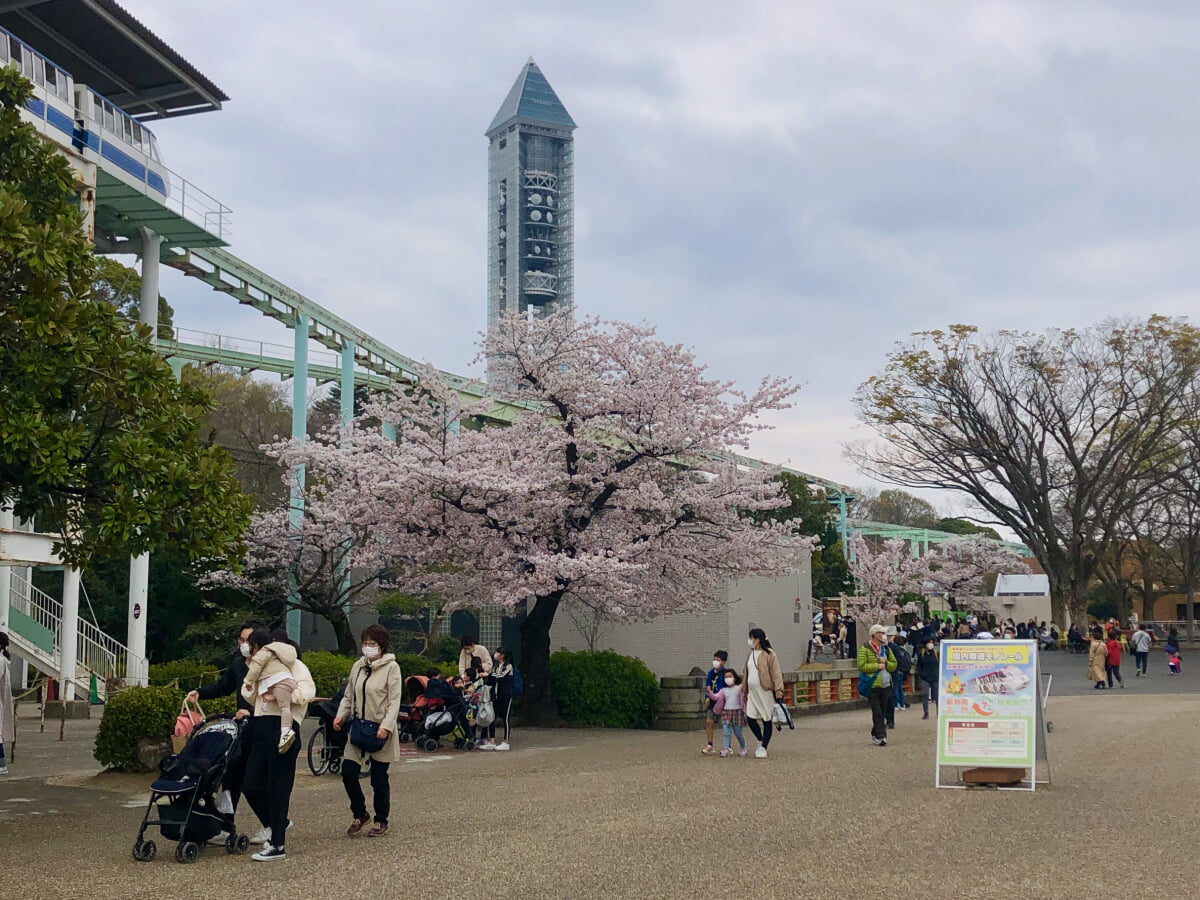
876, 663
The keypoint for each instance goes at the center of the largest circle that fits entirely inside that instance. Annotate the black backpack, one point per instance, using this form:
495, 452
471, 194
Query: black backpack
903, 659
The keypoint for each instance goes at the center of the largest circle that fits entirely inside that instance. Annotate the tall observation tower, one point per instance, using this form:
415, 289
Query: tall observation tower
530, 201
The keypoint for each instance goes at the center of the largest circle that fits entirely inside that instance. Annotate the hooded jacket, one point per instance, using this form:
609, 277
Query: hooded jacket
285, 655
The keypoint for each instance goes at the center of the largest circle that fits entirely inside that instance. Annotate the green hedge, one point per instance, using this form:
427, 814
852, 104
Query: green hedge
329, 670
603, 689
129, 716
189, 673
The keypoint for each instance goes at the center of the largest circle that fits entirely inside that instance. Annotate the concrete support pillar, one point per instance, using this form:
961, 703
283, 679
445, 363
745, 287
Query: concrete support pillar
299, 432
6, 521
68, 640
136, 669
347, 384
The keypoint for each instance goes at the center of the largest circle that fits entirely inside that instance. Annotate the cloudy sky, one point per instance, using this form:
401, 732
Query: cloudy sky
789, 187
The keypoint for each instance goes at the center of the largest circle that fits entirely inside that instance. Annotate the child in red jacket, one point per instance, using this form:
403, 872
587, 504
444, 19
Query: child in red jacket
1113, 664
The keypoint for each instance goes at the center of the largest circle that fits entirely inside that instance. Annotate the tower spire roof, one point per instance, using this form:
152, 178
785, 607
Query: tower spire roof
532, 98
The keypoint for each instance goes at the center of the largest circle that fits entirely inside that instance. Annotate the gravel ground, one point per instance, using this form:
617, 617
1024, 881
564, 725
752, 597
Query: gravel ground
572, 814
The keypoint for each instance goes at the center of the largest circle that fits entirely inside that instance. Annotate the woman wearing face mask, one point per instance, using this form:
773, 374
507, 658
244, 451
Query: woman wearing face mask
229, 683
372, 694
927, 671
763, 685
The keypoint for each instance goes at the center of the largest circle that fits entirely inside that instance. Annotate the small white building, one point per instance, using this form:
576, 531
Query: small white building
674, 645
1022, 597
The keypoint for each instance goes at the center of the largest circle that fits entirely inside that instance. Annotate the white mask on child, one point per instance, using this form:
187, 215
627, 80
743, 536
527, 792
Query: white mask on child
245, 649
370, 652
717, 663
729, 681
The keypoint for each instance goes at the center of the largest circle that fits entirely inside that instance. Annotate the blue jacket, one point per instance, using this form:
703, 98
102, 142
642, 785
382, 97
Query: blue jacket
713, 681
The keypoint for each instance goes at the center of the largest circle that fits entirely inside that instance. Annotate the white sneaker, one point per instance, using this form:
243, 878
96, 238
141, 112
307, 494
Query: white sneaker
761, 752
486, 745
3, 770
286, 738
503, 745
268, 853
263, 835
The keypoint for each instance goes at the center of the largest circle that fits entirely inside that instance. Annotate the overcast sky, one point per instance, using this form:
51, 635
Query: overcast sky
788, 187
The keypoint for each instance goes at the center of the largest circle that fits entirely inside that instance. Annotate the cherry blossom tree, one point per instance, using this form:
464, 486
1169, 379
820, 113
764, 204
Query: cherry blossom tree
957, 568
615, 489
881, 574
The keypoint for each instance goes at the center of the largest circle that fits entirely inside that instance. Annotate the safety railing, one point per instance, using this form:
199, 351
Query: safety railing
197, 206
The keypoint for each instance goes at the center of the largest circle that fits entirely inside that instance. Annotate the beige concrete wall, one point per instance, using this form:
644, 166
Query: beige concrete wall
673, 645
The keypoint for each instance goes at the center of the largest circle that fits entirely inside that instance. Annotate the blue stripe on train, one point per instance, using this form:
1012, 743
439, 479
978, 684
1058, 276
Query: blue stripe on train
126, 162
60, 120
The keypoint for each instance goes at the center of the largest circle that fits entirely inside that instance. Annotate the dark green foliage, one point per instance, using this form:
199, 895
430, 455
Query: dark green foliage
186, 674
603, 689
446, 649
411, 664
328, 670
131, 715
963, 526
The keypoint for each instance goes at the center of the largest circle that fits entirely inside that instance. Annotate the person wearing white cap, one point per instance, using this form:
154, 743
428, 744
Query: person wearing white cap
876, 663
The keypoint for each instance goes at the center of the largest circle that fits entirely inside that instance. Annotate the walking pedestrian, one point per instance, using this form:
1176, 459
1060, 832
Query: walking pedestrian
230, 682
372, 696
1097, 659
8, 712
270, 771
762, 686
904, 665
713, 682
875, 665
927, 672
1113, 661
502, 680
733, 717
1141, 641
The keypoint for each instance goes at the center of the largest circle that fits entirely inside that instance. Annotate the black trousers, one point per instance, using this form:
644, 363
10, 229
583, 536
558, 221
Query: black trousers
880, 699
235, 772
761, 733
1113, 671
503, 706
270, 776
381, 790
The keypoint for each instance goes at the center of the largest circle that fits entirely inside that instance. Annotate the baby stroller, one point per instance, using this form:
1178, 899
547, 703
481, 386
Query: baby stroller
408, 722
446, 718
185, 795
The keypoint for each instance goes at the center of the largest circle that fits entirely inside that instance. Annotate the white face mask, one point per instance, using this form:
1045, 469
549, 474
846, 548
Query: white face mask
929, 646
729, 681
750, 643
717, 663
245, 649
370, 652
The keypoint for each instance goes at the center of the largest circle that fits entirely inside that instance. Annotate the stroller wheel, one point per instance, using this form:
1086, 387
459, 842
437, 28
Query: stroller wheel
187, 852
144, 851
459, 743
470, 745
237, 844
430, 745
335, 766
405, 737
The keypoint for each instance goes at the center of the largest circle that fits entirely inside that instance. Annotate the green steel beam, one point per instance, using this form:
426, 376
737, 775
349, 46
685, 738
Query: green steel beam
920, 536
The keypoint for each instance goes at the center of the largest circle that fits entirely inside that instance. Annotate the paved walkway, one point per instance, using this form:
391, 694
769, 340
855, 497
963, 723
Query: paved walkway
642, 814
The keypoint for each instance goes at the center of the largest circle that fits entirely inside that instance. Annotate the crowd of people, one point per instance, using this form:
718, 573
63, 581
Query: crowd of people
273, 688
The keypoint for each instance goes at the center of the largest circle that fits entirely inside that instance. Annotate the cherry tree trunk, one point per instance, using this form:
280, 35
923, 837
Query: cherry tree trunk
537, 705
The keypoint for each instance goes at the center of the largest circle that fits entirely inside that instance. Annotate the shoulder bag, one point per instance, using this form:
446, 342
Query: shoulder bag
363, 731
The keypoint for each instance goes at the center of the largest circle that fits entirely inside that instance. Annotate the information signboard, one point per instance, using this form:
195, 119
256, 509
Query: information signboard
987, 704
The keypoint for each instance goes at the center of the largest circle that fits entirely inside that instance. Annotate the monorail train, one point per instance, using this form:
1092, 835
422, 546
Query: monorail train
76, 116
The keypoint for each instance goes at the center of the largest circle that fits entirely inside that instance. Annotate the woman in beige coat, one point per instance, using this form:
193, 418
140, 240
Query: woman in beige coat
1097, 655
373, 694
762, 685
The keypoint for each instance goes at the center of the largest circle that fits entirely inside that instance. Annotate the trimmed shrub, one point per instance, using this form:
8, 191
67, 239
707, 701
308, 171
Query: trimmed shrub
329, 670
411, 664
445, 649
131, 715
189, 673
603, 689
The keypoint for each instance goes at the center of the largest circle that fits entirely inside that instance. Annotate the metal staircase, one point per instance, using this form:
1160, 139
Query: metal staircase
35, 630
